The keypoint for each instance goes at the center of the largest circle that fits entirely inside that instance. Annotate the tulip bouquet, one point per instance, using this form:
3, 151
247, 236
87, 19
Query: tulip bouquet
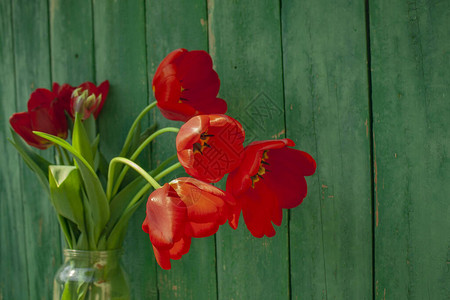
94, 199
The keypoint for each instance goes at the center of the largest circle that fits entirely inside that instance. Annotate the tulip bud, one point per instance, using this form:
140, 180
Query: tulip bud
84, 103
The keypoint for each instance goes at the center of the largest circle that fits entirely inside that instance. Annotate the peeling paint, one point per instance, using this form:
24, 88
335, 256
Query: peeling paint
203, 22
367, 128
211, 37
279, 134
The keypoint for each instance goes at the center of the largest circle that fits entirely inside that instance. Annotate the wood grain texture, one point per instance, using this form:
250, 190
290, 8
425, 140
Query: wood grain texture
287, 68
120, 57
32, 67
13, 262
172, 25
410, 54
244, 40
327, 113
72, 43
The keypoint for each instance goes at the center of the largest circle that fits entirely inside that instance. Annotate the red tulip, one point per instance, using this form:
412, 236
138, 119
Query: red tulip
185, 85
64, 93
45, 113
90, 97
86, 99
270, 177
180, 210
210, 146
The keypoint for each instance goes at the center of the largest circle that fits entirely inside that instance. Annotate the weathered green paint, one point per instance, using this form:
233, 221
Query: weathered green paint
293, 69
32, 70
172, 25
72, 44
410, 76
244, 41
327, 113
13, 263
120, 57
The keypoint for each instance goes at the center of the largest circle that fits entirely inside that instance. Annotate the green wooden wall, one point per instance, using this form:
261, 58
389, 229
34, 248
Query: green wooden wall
364, 86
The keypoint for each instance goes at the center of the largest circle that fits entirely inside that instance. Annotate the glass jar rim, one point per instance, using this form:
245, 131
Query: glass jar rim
92, 253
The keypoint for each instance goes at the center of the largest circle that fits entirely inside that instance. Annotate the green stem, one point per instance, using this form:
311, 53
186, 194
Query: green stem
133, 127
133, 165
167, 171
60, 156
148, 186
66, 155
137, 152
163, 165
136, 202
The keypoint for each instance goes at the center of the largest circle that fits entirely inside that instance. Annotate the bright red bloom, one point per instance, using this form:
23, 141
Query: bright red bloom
45, 113
87, 98
210, 146
180, 210
270, 177
185, 85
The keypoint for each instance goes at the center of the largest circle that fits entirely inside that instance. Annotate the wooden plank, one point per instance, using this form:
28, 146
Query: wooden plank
13, 263
410, 72
72, 44
244, 39
327, 113
119, 34
171, 25
32, 66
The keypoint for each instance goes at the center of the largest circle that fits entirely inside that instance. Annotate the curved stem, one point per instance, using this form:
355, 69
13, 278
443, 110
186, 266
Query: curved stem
60, 156
145, 188
133, 127
138, 151
167, 171
133, 165
163, 165
66, 155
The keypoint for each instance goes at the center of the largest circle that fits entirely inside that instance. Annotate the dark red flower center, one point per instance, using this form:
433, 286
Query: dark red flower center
202, 143
262, 169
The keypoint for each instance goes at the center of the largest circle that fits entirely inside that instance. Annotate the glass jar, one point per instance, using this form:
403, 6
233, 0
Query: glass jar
91, 275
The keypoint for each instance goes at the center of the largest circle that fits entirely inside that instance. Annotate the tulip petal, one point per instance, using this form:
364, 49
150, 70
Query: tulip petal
260, 208
200, 230
185, 85
180, 248
210, 146
21, 123
103, 90
162, 258
166, 216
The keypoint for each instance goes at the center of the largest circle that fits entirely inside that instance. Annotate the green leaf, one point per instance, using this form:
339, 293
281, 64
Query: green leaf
81, 142
121, 200
119, 231
144, 135
96, 206
35, 162
91, 127
66, 231
65, 193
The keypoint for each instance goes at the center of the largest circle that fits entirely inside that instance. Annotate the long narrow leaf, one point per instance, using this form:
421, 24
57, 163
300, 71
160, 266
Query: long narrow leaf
81, 142
35, 162
121, 200
96, 203
119, 231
